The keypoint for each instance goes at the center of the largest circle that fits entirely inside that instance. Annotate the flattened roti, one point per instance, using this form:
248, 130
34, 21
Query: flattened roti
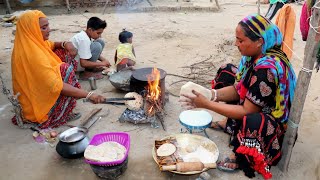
189, 86
166, 149
136, 104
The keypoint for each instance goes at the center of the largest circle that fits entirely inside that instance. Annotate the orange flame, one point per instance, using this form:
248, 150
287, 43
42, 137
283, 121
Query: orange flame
153, 86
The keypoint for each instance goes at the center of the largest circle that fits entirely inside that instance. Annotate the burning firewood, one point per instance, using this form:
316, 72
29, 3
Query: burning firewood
153, 100
154, 104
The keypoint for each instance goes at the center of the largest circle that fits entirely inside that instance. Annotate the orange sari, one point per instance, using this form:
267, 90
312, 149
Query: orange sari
35, 69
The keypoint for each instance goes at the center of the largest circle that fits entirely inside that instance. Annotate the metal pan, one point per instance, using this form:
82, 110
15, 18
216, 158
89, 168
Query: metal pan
73, 134
77, 133
73, 142
121, 80
114, 101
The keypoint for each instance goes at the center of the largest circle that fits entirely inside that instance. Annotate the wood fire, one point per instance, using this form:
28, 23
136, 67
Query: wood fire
153, 99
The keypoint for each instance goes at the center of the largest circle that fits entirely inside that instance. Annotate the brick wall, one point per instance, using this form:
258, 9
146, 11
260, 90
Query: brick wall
37, 3
101, 2
73, 3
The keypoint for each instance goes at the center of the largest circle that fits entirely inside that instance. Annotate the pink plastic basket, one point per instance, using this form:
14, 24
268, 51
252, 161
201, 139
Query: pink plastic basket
119, 137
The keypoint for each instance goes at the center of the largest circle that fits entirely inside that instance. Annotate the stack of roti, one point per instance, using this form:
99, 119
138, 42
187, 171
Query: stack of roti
105, 152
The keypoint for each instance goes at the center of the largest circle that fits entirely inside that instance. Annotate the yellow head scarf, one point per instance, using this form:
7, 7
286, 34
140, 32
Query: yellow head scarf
35, 69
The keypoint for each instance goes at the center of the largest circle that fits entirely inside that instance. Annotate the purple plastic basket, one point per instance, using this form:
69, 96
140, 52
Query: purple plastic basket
119, 137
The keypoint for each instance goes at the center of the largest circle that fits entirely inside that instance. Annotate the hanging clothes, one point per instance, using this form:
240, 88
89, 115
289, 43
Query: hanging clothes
286, 21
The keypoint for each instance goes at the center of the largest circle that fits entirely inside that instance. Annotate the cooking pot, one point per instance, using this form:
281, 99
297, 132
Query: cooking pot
74, 141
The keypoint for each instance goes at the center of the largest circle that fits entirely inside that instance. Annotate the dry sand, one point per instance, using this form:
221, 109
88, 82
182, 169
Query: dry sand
167, 40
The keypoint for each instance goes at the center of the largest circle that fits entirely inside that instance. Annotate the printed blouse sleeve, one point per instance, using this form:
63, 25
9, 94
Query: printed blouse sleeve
262, 88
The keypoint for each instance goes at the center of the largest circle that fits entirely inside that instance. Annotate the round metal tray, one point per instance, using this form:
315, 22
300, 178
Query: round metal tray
194, 140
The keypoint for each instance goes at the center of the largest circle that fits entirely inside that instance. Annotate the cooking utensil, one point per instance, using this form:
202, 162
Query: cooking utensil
93, 83
77, 133
191, 140
90, 115
120, 99
141, 77
73, 142
121, 80
114, 100
195, 121
72, 150
188, 166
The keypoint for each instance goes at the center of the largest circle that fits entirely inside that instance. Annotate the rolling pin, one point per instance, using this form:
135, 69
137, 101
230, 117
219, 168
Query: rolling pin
188, 166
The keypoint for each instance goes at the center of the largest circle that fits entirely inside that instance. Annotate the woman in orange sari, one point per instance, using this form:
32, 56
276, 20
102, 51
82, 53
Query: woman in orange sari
47, 85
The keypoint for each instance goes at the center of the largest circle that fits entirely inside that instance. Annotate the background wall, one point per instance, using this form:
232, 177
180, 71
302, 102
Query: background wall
73, 3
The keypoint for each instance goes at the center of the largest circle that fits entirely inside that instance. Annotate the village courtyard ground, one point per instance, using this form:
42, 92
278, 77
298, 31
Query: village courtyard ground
168, 40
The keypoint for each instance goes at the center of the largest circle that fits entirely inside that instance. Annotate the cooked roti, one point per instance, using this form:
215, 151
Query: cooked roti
136, 104
166, 149
105, 152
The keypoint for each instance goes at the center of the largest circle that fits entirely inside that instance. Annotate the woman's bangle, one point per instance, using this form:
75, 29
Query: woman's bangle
215, 95
63, 45
89, 94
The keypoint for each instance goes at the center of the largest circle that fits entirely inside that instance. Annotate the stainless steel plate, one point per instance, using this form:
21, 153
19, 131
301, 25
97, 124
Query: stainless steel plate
73, 134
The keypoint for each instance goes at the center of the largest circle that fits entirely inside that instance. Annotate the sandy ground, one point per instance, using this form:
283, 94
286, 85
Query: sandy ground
167, 40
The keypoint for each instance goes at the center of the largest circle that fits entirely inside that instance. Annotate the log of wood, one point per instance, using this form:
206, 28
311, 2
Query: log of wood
90, 115
301, 91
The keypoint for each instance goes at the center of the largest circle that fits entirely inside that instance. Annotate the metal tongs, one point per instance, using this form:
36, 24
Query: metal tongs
114, 101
